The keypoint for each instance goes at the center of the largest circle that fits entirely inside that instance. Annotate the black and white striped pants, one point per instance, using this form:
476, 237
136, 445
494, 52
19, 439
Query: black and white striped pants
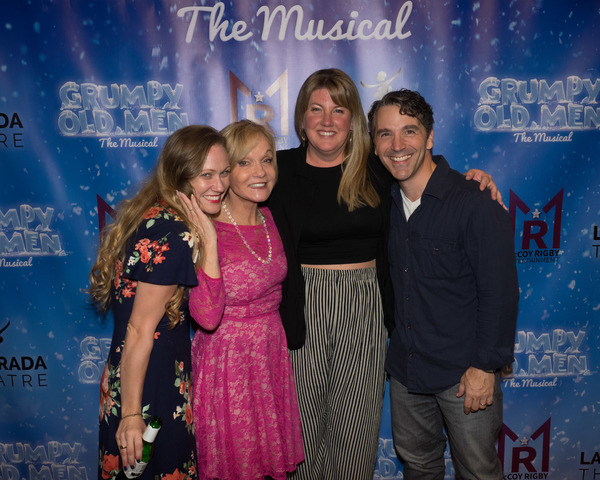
339, 373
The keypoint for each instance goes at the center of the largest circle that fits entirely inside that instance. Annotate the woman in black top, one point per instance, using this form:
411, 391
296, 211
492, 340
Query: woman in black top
331, 206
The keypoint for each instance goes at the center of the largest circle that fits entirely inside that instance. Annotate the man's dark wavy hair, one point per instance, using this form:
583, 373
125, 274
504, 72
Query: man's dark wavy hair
409, 102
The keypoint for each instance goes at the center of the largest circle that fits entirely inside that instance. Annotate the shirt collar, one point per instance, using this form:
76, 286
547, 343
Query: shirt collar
437, 186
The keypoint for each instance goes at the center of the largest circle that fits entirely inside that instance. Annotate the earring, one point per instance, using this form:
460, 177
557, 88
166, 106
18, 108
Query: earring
303, 138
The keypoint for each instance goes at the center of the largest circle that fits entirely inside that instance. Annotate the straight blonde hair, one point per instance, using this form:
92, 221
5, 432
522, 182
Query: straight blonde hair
356, 189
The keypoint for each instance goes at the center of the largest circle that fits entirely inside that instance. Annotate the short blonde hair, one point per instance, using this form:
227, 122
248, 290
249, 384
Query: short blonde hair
241, 137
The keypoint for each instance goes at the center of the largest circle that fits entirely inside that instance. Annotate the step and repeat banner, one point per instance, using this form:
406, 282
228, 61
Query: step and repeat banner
89, 91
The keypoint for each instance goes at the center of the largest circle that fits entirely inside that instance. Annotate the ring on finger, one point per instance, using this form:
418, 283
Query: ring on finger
121, 447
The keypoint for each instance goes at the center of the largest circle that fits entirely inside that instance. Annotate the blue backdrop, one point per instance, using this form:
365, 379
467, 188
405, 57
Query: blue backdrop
90, 90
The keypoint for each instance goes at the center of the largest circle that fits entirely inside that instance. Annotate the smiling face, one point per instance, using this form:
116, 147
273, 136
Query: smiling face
212, 182
402, 144
327, 127
253, 177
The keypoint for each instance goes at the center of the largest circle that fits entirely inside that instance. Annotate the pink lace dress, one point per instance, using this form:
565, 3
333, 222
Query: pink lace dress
246, 418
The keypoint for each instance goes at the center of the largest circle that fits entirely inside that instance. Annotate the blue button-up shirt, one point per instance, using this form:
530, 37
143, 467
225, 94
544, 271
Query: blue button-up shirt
455, 284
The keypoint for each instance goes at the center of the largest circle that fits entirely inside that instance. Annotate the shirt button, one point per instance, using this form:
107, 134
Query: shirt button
406, 270
408, 327
407, 298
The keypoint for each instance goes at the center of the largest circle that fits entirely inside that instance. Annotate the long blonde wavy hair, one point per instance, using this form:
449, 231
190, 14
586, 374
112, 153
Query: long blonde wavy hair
181, 160
355, 188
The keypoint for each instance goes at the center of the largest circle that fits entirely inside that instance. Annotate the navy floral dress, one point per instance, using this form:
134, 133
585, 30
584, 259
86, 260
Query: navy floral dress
160, 252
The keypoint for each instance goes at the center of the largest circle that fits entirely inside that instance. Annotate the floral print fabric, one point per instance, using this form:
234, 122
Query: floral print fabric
161, 253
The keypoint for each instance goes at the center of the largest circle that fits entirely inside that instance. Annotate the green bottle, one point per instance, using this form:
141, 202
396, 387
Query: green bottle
148, 438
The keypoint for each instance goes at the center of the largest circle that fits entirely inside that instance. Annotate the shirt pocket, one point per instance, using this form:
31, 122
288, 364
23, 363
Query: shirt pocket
439, 258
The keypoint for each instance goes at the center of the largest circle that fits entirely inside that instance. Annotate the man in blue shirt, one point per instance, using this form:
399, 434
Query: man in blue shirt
451, 253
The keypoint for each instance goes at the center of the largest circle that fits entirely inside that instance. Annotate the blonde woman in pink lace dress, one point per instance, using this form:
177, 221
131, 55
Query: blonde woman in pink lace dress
246, 417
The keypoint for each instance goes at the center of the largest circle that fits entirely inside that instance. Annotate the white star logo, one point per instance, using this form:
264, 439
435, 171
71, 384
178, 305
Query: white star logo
524, 441
536, 213
259, 97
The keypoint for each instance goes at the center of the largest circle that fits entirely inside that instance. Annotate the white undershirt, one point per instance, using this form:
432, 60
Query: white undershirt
409, 207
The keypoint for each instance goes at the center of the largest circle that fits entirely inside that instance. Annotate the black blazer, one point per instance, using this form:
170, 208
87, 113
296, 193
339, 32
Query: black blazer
288, 203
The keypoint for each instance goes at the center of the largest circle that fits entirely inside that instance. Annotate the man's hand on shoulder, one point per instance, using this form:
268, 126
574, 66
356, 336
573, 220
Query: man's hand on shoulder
477, 386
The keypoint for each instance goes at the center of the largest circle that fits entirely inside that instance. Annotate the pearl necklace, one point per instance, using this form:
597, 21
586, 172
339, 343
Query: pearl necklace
264, 222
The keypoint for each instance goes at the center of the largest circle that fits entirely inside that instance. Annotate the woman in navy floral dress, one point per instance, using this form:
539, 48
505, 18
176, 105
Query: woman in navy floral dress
145, 263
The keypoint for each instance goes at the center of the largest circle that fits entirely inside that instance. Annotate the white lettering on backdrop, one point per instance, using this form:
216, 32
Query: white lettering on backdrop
355, 29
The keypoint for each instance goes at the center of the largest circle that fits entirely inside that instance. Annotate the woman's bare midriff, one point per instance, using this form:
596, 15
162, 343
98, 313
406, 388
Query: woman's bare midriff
344, 266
